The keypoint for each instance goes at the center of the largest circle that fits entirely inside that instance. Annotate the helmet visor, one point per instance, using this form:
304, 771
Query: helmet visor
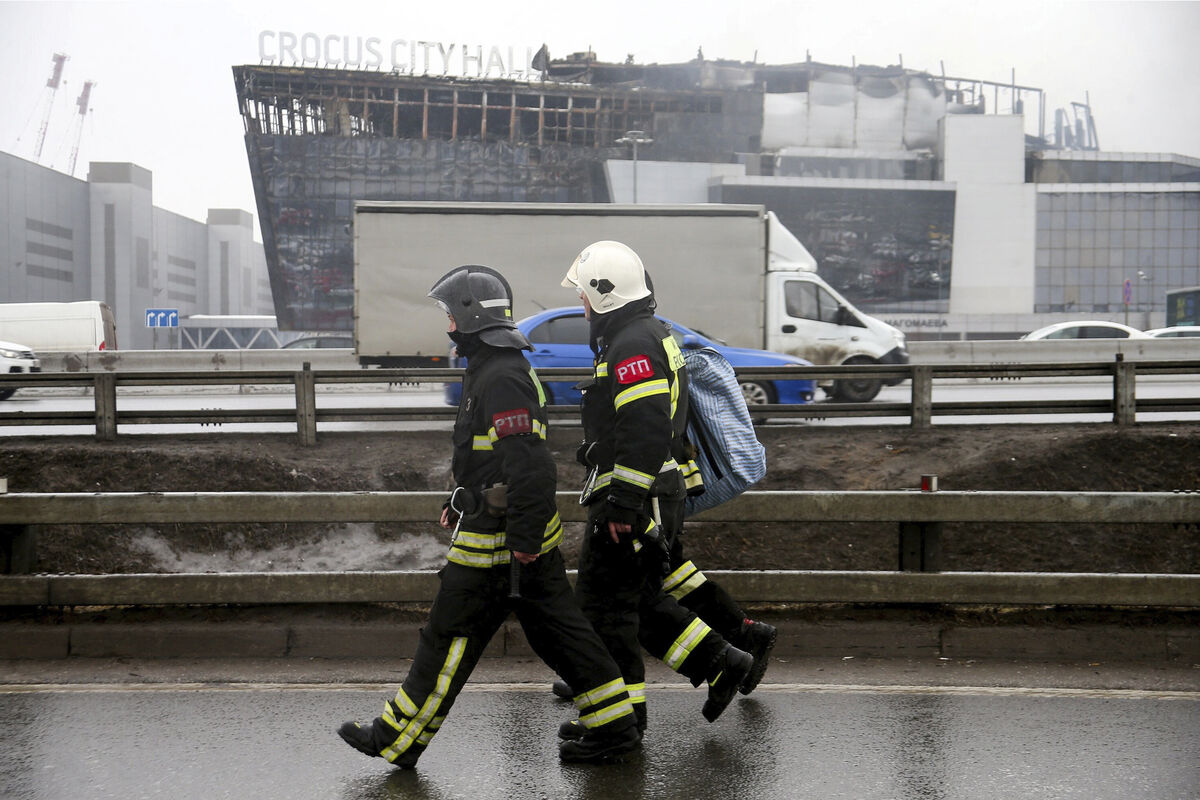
571, 280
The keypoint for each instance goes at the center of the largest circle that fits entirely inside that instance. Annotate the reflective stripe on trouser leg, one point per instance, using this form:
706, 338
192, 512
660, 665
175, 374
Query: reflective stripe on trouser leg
683, 581
420, 727
604, 704
682, 647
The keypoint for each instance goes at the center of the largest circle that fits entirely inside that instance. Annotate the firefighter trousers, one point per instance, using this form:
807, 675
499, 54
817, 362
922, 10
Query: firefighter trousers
701, 595
621, 593
471, 605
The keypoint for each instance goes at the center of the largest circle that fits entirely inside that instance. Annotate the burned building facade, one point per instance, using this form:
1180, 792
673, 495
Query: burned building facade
319, 139
865, 165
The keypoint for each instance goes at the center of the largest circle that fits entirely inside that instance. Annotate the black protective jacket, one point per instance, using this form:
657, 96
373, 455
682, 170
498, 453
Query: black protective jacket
634, 409
500, 438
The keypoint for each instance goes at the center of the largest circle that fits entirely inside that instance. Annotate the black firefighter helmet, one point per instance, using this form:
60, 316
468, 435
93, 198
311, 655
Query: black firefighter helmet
479, 300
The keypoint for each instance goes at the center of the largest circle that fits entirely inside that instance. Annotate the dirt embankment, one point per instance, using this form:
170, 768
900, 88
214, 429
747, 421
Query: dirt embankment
982, 457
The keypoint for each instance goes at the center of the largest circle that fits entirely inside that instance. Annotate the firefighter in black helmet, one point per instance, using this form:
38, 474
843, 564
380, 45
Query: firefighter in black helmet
504, 552
634, 412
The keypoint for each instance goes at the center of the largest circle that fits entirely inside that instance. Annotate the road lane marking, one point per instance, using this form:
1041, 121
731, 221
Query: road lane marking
768, 688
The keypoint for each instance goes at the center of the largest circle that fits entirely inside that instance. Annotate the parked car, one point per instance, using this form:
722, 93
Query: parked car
16, 358
1086, 329
1174, 333
311, 342
560, 339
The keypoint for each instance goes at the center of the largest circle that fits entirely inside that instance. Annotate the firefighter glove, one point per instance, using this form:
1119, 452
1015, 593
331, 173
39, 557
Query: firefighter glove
619, 514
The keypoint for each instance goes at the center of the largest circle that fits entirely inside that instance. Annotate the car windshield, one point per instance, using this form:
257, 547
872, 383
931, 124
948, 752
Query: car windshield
567, 329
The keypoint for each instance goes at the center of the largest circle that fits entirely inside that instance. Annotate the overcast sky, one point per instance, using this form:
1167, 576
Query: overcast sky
164, 95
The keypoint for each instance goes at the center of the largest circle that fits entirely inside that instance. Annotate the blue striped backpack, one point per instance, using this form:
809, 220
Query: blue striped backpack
728, 452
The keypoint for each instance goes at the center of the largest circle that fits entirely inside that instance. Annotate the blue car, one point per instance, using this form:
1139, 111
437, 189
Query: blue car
560, 339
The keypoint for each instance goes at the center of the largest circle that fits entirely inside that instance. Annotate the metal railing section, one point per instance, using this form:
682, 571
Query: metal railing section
304, 413
915, 581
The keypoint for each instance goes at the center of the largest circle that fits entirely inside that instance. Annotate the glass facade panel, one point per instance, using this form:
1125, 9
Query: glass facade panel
1152, 231
1050, 169
306, 223
893, 255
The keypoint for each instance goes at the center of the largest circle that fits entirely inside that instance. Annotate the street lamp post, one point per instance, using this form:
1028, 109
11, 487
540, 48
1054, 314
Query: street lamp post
1127, 297
635, 138
1127, 291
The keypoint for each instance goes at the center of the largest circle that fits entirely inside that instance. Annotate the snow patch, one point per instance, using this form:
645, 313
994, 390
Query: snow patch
352, 547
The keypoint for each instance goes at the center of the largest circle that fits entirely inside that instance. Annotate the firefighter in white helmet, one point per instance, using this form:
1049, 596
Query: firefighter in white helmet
634, 414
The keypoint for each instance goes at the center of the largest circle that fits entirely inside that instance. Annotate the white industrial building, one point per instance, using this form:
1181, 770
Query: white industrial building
62, 239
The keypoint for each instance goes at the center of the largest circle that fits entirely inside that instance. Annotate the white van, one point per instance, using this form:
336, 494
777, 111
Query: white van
14, 359
81, 327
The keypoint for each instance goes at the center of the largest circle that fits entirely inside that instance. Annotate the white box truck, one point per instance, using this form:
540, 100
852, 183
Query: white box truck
84, 326
732, 271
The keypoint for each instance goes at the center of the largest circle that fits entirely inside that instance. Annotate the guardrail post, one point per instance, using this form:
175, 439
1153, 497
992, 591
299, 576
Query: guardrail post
105, 395
1124, 394
921, 542
18, 544
922, 396
18, 549
306, 406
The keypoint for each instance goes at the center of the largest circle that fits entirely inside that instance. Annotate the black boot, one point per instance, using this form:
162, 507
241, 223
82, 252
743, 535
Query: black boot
362, 739
573, 728
598, 746
562, 690
757, 639
359, 738
725, 676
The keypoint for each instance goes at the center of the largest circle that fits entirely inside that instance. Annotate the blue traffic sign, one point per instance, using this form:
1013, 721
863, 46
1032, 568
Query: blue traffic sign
1127, 291
162, 317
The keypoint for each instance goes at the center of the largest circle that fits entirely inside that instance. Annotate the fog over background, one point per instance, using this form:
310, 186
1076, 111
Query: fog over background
165, 100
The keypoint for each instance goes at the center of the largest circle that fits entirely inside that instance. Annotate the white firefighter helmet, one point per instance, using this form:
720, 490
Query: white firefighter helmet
610, 274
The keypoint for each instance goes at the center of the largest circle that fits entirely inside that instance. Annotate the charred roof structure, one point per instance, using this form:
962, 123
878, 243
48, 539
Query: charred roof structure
866, 165
318, 139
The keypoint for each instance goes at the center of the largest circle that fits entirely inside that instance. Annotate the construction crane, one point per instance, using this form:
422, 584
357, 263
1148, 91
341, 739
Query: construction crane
83, 102
60, 60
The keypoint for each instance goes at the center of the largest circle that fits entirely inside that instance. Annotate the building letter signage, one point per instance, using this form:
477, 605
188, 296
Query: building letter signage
407, 56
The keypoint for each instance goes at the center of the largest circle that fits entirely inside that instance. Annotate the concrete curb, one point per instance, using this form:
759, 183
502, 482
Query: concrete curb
304, 639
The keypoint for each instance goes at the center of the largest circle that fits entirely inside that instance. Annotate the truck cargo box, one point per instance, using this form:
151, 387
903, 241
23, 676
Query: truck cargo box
706, 261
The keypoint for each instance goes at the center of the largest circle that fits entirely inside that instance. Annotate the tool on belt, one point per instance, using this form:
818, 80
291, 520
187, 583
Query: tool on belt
462, 503
495, 504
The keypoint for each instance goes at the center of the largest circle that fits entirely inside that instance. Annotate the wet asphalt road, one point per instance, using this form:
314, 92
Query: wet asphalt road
786, 741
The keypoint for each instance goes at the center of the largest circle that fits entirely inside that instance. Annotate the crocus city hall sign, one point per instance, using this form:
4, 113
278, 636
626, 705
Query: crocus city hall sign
412, 56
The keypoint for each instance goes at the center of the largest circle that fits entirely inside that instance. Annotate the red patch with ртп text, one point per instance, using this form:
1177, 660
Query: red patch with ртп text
635, 369
510, 423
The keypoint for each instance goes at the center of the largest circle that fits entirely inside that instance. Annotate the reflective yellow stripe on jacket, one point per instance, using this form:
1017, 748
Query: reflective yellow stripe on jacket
485, 550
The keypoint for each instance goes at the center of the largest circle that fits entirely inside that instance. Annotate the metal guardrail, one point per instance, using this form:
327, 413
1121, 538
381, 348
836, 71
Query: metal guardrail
106, 415
918, 515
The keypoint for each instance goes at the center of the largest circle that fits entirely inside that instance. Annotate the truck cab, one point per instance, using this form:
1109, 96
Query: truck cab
806, 317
